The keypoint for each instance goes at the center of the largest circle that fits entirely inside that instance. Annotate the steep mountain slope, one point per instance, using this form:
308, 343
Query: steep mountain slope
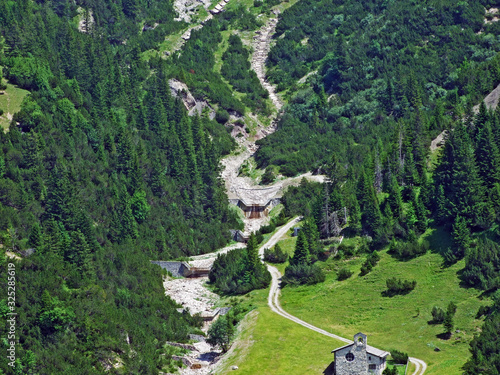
101, 171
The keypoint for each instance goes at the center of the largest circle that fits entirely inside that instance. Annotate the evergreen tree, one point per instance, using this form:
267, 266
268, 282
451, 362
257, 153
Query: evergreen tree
420, 211
371, 215
448, 323
441, 209
458, 174
481, 119
461, 235
35, 238
253, 252
395, 199
301, 254
488, 156
311, 233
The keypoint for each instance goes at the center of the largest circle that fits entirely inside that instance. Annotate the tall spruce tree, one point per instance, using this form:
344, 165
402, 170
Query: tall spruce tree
488, 156
253, 252
301, 254
371, 215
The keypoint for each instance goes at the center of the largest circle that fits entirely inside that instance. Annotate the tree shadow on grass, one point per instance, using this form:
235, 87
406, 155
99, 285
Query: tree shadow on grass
440, 241
444, 336
433, 322
390, 294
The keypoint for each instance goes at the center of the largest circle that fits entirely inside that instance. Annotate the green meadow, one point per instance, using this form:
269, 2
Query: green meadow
10, 103
399, 322
271, 344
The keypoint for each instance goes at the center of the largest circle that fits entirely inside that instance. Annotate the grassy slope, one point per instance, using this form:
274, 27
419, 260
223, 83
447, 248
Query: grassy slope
399, 322
271, 344
10, 102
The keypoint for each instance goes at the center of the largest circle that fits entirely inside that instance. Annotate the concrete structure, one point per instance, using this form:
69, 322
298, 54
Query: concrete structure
359, 359
239, 236
182, 269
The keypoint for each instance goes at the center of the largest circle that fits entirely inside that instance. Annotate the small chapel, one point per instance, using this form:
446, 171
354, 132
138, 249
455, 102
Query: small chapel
359, 359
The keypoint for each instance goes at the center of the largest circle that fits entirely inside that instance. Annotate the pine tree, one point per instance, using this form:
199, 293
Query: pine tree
35, 238
448, 323
79, 249
354, 214
488, 156
395, 199
413, 91
481, 119
441, 210
420, 211
461, 235
371, 215
253, 252
458, 174
388, 98
311, 232
301, 254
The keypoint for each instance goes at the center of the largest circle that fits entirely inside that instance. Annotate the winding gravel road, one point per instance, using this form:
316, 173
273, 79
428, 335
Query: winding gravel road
274, 292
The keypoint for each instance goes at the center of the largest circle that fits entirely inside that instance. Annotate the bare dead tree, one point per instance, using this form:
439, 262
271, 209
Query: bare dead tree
336, 227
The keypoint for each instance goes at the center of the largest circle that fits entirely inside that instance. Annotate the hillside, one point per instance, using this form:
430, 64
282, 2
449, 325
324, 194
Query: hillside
369, 66
101, 171
127, 127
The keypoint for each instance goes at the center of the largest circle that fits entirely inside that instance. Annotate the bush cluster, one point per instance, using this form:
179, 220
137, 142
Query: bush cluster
300, 274
275, 256
399, 357
343, 273
408, 250
371, 261
399, 286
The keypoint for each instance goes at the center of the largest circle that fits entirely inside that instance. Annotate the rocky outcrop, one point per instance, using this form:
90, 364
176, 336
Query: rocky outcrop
180, 89
86, 20
261, 46
188, 8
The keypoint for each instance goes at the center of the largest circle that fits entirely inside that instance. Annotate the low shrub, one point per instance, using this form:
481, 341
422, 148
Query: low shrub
399, 286
408, 250
222, 116
347, 250
275, 256
268, 228
399, 357
371, 261
343, 274
303, 274
438, 315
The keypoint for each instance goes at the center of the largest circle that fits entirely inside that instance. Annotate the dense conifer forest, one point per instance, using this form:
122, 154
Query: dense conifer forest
103, 172
381, 89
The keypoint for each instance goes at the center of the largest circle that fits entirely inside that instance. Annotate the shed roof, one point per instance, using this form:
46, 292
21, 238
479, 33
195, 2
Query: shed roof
369, 349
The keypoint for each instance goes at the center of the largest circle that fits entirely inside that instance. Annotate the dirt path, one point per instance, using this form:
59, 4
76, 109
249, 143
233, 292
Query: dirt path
275, 306
262, 45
